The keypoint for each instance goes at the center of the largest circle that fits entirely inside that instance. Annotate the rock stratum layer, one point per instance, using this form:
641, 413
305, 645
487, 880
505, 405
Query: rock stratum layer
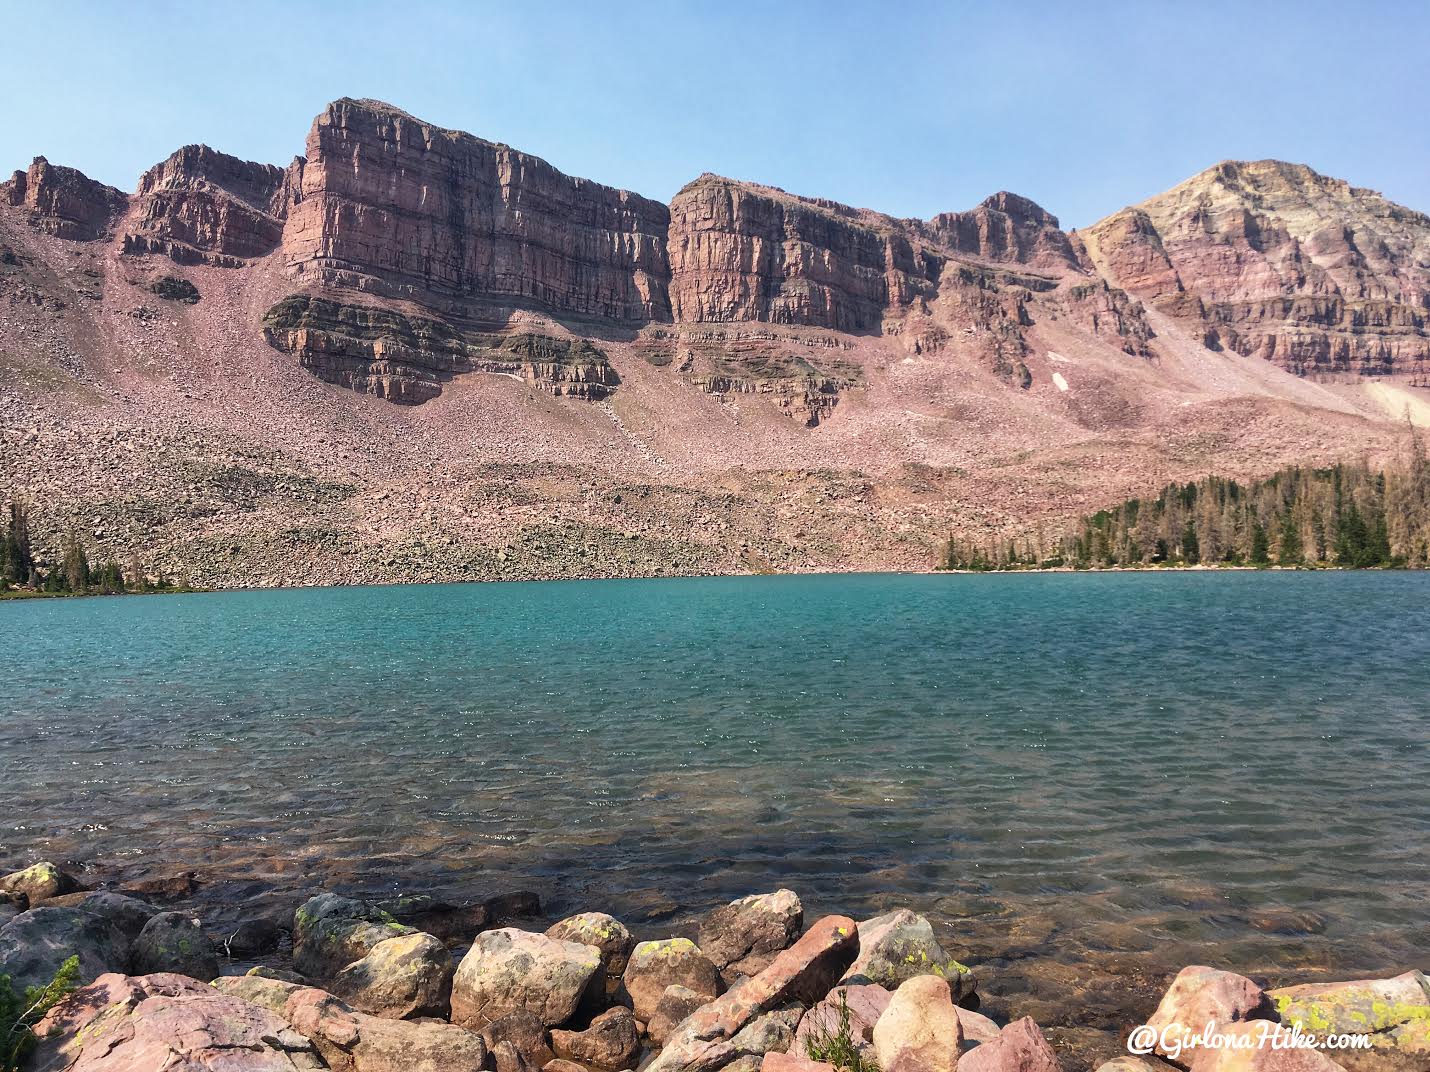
744, 379
1272, 260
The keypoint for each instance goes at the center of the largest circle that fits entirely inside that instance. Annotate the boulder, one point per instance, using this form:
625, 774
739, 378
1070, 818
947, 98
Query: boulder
262, 990
507, 1058
604, 932
803, 973
264, 971
1252, 1046
1200, 996
351, 1041
792, 1062
611, 1042
919, 1031
173, 942
525, 1032
742, 937
977, 1028
562, 1065
38, 882
653, 966
772, 1032
674, 1007
330, 932
164, 887
866, 1004
509, 969
1019, 1047
1128, 1063
400, 978
900, 945
1394, 1012
128, 915
36, 943
123, 1024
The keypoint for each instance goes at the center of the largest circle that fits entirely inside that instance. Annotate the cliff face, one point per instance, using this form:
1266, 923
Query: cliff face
744, 252
1274, 260
1009, 228
62, 201
421, 252
205, 207
397, 207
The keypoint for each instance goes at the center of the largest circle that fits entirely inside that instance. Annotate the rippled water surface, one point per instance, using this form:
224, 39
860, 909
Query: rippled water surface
1088, 779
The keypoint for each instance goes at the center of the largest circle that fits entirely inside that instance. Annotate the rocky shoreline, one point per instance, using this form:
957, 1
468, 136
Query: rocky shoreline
418, 983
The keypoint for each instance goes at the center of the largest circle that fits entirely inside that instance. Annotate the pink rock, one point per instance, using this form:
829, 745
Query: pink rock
1200, 996
121, 1023
977, 1028
866, 1004
1250, 1050
790, 1062
1019, 1047
919, 1031
803, 973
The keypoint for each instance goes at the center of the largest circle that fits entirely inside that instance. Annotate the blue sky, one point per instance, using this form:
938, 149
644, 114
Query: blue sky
909, 108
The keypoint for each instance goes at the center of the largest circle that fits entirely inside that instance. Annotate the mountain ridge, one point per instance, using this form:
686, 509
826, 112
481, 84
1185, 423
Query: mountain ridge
734, 353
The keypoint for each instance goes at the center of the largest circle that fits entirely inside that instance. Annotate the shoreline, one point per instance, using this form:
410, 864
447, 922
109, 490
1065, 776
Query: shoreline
25, 594
287, 948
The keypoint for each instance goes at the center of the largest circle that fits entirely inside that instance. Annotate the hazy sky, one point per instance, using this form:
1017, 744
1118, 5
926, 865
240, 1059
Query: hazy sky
909, 108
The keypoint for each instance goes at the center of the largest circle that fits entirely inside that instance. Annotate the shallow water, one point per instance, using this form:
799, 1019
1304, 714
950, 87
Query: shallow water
1089, 780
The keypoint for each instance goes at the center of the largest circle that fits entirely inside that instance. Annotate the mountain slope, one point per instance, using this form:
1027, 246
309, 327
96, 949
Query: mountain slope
413, 354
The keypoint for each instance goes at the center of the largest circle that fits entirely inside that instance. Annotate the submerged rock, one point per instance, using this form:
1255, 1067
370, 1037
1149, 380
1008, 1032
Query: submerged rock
742, 937
653, 966
509, 969
172, 942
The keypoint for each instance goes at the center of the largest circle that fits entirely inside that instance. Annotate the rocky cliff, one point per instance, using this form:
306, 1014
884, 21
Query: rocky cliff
202, 206
1274, 260
397, 207
62, 201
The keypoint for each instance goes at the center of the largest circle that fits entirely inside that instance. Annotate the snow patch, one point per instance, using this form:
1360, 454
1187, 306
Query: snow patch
1061, 383
1059, 358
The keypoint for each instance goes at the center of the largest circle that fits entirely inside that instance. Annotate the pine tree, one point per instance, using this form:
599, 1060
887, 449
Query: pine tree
19, 563
1191, 548
1260, 546
1289, 553
76, 564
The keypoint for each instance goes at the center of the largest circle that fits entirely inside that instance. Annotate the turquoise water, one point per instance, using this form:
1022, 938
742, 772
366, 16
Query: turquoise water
1087, 779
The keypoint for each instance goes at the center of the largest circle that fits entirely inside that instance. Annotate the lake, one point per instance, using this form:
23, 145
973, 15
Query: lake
1087, 780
